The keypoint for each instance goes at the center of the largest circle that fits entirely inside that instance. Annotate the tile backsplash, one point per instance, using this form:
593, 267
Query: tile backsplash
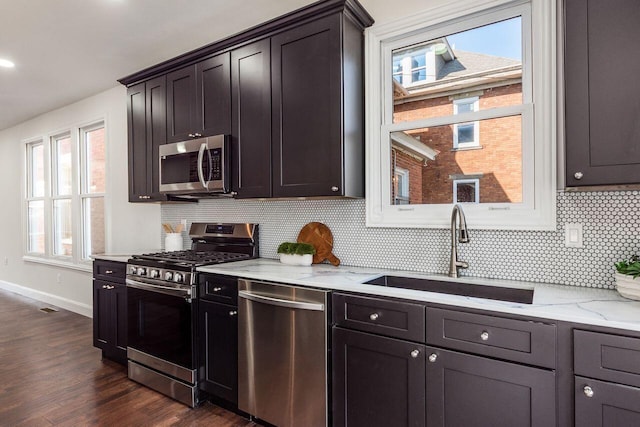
610, 222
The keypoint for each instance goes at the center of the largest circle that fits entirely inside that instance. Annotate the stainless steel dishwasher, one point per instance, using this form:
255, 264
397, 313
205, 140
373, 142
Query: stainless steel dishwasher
282, 353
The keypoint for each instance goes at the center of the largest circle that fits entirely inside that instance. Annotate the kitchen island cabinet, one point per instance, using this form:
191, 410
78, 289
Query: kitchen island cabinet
110, 309
601, 92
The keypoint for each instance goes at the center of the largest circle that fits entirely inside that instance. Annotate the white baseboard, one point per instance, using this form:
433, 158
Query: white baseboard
67, 304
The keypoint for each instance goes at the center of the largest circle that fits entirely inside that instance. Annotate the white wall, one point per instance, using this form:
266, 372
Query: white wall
131, 228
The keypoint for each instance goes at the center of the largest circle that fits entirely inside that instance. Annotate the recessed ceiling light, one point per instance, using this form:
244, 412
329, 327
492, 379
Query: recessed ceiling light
6, 63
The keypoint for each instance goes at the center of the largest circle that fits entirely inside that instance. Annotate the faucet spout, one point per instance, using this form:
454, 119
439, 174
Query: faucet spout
459, 234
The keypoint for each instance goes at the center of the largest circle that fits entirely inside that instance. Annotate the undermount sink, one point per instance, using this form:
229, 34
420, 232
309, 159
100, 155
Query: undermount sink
519, 295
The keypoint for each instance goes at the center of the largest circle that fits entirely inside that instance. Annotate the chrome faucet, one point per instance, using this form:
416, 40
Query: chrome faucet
457, 235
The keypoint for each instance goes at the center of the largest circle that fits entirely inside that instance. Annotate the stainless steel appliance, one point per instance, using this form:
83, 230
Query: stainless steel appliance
162, 306
283, 353
196, 166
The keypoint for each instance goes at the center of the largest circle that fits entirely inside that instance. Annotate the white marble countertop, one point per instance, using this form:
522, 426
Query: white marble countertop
557, 302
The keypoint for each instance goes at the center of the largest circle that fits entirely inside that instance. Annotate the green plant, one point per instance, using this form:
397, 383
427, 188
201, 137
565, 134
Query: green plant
296, 248
630, 267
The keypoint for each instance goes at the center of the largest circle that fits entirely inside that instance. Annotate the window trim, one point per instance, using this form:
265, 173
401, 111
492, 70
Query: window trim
76, 261
538, 209
404, 195
475, 181
475, 100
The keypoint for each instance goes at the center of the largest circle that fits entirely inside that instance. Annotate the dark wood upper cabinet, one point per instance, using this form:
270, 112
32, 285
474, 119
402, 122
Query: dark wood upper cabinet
251, 120
306, 81
146, 118
602, 65
199, 99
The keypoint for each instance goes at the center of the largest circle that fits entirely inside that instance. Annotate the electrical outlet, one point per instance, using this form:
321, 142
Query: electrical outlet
573, 236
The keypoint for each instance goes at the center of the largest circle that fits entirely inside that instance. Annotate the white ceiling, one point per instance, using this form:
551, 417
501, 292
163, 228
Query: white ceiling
66, 50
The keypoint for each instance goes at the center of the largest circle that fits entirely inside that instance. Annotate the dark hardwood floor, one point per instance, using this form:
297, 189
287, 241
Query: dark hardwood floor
50, 374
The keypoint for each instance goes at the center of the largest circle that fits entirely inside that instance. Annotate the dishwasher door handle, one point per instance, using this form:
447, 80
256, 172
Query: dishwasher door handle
281, 302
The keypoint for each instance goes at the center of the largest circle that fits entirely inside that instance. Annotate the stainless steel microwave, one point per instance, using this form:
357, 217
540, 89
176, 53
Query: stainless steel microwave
195, 167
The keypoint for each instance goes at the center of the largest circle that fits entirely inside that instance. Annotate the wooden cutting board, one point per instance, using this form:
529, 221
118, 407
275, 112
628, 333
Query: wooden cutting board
319, 235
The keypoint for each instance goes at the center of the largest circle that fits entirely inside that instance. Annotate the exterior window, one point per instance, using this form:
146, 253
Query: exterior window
466, 191
465, 135
442, 83
65, 190
35, 198
401, 186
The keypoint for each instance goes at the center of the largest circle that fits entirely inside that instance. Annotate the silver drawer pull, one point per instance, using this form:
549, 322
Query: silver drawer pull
415, 353
374, 316
433, 357
588, 391
484, 336
233, 313
578, 175
108, 272
216, 289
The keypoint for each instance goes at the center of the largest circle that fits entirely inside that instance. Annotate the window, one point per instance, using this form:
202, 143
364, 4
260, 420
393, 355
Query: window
401, 186
65, 189
487, 81
466, 191
465, 135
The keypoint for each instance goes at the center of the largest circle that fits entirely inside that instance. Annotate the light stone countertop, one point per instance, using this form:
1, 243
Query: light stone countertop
556, 302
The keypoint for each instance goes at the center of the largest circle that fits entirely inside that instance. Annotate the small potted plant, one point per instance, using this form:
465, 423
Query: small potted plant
296, 253
627, 281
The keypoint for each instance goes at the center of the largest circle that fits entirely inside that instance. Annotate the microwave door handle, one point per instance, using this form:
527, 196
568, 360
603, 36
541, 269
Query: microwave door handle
203, 147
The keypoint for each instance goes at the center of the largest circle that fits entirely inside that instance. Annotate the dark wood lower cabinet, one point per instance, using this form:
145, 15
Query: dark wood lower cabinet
219, 350
467, 390
377, 381
601, 403
110, 319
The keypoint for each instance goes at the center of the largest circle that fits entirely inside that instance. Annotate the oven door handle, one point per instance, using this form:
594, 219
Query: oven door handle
176, 292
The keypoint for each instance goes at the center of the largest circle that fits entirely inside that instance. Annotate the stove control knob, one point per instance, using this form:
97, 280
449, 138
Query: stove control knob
168, 276
154, 274
141, 271
133, 269
177, 277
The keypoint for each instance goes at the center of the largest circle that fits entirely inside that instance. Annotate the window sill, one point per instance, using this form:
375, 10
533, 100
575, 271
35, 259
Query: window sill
475, 147
85, 266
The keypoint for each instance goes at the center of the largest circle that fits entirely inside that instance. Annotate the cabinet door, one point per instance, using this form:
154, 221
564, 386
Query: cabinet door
119, 321
307, 99
601, 73
146, 119
251, 120
219, 350
139, 159
377, 381
600, 403
103, 331
466, 390
213, 99
181, 104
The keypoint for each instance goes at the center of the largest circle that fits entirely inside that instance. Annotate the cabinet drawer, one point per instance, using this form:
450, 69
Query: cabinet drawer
391, 318
522, 341
223, 289
607, 357
111, 271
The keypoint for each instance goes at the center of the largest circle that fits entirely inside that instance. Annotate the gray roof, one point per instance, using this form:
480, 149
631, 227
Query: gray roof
471, 63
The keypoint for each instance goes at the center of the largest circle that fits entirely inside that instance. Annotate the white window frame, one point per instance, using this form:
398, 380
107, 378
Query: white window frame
476, 125
538, 208
55, 191
77, 260
84, 193
29, 197
404, 173
474, 181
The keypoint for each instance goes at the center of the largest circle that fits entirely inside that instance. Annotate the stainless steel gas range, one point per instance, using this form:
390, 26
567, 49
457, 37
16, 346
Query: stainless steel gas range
162, 306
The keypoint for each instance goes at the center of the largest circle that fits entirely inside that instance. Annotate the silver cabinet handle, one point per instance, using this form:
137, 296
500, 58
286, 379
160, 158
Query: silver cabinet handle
588, 391
433, 357
415, 353
484, 335
374, 316
108, 272
233, 313
334, 188
578, 175
197, 134
216, 289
